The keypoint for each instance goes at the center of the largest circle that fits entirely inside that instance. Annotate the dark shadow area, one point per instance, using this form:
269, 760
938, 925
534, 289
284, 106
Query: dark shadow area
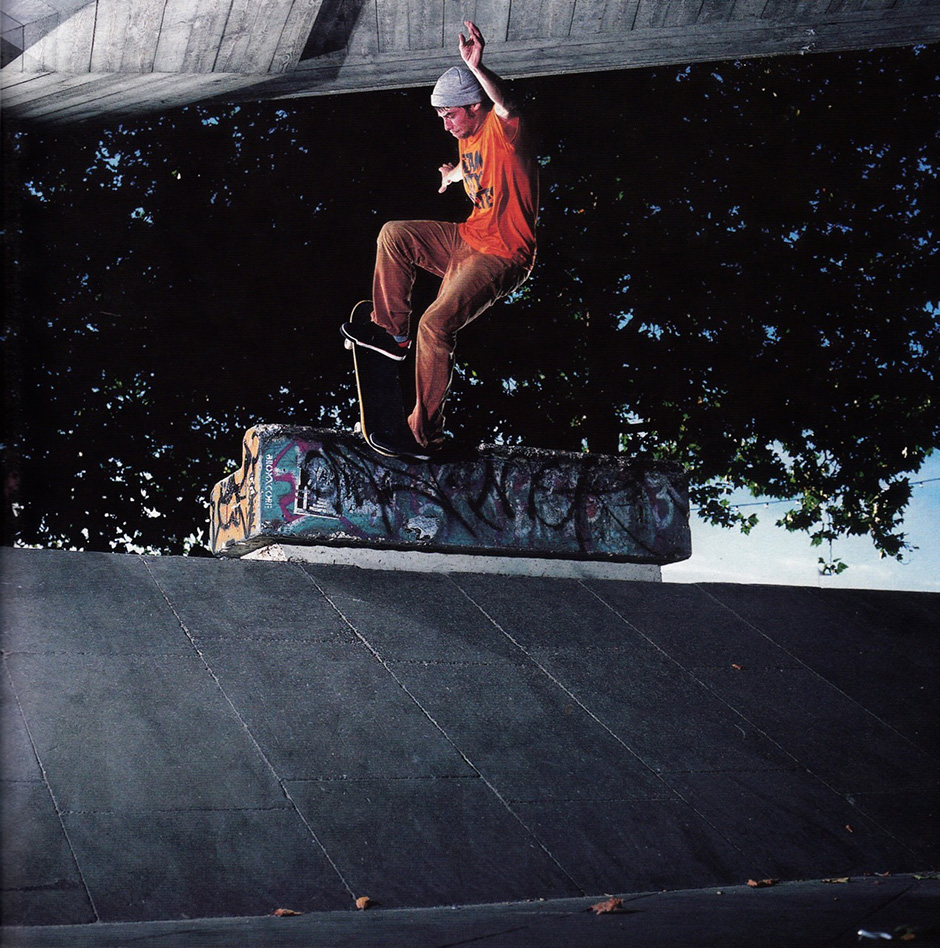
333, 27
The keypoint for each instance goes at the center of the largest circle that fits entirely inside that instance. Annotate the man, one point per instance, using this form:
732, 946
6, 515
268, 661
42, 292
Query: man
479, 261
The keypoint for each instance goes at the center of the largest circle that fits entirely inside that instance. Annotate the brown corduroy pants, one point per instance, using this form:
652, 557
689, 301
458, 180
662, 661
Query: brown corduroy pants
470, 283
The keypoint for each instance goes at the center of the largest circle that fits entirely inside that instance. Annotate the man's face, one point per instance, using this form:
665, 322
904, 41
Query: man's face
462, 121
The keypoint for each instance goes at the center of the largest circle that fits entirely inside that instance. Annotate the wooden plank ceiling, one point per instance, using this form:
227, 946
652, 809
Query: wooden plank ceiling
79, 60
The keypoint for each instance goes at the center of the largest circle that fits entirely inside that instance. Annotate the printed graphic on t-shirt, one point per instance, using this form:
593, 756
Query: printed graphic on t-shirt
472, 165
501, 180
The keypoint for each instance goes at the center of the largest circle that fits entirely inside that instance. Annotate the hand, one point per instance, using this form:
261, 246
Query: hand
472, 49
446, 178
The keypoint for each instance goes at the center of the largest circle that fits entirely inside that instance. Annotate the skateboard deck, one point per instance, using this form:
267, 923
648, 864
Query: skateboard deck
378, 386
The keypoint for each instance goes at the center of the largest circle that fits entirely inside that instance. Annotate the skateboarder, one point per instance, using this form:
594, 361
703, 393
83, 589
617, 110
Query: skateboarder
479, 261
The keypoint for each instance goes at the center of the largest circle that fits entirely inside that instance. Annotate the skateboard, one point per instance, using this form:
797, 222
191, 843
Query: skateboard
378, 386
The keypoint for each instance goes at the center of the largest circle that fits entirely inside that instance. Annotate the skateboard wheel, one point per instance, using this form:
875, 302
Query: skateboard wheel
357, 428
348, 343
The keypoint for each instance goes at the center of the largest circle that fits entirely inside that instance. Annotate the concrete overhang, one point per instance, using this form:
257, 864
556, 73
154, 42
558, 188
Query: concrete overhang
68, 61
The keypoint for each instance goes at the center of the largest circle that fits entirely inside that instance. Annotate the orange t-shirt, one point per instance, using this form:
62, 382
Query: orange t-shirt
500, 176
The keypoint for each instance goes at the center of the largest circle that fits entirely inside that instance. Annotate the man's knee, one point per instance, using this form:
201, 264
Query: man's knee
390, 232
435, 333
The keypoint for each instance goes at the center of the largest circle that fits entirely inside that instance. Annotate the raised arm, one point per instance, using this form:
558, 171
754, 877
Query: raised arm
471, 50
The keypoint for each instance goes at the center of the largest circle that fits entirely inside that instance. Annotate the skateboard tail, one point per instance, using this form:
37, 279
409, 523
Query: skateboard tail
378, 388
363, 425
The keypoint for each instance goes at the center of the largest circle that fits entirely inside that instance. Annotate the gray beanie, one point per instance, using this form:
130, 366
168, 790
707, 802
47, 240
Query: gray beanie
458, 86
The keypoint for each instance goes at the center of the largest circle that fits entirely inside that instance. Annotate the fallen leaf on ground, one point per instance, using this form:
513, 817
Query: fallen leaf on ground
608, 906
761, 883
841, 879
364, 902
736, 666
285, 913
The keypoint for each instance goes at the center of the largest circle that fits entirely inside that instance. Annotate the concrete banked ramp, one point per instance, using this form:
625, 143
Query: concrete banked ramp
193, 738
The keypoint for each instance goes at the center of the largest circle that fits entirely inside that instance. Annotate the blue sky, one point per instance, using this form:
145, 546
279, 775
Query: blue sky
770, 554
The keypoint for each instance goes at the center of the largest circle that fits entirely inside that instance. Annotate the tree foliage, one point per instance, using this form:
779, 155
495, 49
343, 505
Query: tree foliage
736, 270
744, 278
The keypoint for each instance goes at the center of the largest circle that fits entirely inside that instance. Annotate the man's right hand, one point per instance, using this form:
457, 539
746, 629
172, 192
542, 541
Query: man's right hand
449, 175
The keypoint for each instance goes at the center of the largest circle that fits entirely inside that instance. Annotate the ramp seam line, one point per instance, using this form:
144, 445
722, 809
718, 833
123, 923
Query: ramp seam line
845, 795
805, 665
659, 776
281, 784
378, 657
59, 812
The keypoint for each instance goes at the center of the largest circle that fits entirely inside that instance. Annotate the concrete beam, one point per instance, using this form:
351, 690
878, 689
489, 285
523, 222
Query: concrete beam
239, 50
316, 487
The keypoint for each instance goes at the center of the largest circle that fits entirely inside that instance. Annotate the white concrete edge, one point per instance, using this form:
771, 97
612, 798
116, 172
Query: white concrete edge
420, 562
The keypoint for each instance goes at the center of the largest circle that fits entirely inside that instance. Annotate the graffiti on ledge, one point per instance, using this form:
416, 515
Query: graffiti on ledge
310, 486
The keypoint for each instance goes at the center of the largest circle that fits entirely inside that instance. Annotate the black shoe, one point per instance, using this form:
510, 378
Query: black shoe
399, 444
373, 337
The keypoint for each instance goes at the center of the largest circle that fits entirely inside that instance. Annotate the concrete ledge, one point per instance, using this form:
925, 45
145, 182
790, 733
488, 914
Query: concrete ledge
414, 561
312, 487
